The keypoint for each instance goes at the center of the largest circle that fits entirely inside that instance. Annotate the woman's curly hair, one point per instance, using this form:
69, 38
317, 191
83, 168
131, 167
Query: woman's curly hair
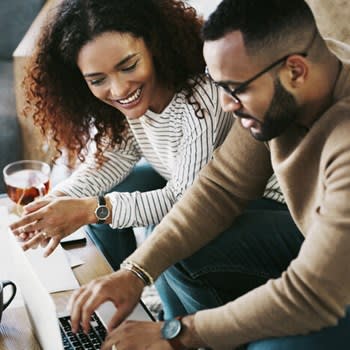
57, 96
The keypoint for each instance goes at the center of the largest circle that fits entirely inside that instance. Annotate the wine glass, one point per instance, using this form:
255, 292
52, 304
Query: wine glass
26, 180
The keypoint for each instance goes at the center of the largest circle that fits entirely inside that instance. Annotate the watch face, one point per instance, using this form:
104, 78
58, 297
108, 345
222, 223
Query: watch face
102, 212
171, 329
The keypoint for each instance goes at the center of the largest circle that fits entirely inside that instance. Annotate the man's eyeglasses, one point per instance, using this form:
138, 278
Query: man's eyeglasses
241, 87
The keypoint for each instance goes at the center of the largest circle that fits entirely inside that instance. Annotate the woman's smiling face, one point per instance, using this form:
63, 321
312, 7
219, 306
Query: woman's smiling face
119, 71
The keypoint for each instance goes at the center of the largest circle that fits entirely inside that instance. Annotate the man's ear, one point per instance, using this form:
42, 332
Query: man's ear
296, 70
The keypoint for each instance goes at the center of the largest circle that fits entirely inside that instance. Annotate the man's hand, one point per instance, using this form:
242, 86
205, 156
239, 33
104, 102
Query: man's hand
122, 288
137, 335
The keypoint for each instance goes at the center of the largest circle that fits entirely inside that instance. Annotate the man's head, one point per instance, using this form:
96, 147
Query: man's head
262, 54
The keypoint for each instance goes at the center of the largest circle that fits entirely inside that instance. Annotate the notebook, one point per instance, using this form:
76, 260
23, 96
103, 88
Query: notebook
48, 326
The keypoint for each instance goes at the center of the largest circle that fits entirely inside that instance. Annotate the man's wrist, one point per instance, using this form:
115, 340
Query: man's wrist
138, 271
189, 336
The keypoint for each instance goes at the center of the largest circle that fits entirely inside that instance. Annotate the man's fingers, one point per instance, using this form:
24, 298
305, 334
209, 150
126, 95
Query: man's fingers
119, 316
76, 305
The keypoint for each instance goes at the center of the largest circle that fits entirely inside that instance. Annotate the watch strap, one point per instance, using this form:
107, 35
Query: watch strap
175, 342
101, 200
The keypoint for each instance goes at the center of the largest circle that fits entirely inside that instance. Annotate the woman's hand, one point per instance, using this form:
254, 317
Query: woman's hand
122, 288
49, 219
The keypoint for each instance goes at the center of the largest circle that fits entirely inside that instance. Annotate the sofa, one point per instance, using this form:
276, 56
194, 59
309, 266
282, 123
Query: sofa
15, 18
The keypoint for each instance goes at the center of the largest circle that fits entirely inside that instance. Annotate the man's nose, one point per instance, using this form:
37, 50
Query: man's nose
227, 102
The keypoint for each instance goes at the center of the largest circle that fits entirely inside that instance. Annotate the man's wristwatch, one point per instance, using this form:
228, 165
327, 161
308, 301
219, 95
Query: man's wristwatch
170, 332
102, 211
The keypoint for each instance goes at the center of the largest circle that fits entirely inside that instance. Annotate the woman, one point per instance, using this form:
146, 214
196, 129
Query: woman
128, 76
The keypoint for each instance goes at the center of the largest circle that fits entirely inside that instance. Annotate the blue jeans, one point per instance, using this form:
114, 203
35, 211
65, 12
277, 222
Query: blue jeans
259, 246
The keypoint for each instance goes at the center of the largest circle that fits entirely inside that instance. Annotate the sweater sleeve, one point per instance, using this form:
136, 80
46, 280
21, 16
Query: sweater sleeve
332, 19
238, 172
200, 136
314, 291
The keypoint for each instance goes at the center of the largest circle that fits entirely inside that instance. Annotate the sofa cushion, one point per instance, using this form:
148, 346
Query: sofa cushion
10, 134
15, 18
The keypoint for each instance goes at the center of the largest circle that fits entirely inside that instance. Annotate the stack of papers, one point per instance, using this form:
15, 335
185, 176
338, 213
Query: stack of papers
54, 271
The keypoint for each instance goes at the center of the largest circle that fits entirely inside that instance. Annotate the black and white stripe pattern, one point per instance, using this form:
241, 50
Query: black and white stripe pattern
176, 143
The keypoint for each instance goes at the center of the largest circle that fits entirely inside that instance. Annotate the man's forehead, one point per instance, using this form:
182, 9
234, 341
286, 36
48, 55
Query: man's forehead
226, 55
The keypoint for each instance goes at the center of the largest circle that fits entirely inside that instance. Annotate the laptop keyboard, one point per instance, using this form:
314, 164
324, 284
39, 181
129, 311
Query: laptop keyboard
80, 340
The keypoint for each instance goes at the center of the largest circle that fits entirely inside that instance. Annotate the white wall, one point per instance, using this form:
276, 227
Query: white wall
204, 7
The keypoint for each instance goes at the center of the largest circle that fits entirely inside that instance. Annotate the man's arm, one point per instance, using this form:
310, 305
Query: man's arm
238, 173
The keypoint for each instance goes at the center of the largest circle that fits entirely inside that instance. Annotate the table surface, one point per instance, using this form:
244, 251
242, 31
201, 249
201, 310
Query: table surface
15, 330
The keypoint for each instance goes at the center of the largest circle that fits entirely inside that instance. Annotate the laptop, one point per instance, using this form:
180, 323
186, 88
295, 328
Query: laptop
52, 330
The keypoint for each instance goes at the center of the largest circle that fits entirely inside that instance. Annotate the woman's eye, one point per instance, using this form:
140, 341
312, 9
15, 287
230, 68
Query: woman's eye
130, 68
96, 82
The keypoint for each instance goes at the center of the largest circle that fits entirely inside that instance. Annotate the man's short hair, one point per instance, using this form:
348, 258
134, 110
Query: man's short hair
263, 23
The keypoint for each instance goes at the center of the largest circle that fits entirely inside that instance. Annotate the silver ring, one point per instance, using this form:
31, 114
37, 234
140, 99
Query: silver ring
44, 234
114, 347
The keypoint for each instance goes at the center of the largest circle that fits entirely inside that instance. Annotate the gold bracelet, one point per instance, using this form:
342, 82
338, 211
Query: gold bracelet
138, 271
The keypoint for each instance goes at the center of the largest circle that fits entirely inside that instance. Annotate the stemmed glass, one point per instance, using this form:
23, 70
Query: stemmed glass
26, 180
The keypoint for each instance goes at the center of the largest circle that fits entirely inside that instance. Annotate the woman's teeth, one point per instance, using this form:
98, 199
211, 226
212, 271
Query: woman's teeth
132, 98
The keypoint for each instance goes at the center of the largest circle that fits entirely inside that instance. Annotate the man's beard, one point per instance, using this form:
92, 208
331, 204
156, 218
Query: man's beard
282, 112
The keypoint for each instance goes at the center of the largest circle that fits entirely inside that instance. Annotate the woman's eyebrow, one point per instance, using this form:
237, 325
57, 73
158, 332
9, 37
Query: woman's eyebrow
118, 65
126, 59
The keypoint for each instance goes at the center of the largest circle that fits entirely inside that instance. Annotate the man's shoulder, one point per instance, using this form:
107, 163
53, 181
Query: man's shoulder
335, 124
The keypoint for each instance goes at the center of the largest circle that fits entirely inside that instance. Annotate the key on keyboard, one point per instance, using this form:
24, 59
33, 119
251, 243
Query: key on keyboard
80, 340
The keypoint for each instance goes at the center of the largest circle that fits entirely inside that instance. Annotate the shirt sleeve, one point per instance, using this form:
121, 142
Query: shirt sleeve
200, 136
91, 180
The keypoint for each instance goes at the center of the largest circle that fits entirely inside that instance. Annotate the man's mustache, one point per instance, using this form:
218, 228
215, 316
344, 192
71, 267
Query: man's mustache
239, 114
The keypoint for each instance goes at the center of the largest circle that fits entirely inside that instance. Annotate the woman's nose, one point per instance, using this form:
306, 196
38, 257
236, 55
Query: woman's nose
118, 88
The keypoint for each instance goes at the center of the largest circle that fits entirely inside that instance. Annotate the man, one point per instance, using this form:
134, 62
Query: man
291, 97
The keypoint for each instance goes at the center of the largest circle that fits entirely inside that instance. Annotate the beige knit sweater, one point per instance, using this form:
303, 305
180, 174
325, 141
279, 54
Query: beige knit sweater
313, 170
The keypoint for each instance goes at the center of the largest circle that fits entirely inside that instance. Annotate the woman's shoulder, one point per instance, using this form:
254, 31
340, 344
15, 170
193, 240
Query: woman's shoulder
203, 95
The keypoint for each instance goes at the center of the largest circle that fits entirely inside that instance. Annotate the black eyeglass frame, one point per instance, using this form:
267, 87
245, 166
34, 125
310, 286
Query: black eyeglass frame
242, 86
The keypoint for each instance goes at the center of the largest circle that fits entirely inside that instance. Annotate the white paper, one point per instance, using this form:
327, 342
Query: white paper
77, 235
54, 271
73, 260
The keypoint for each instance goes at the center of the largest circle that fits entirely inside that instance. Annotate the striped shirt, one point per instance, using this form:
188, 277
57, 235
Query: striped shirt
175, 142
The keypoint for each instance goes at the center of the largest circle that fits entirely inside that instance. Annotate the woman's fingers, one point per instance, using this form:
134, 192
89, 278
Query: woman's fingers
36, 205
27, 223
33, 242
52, 245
